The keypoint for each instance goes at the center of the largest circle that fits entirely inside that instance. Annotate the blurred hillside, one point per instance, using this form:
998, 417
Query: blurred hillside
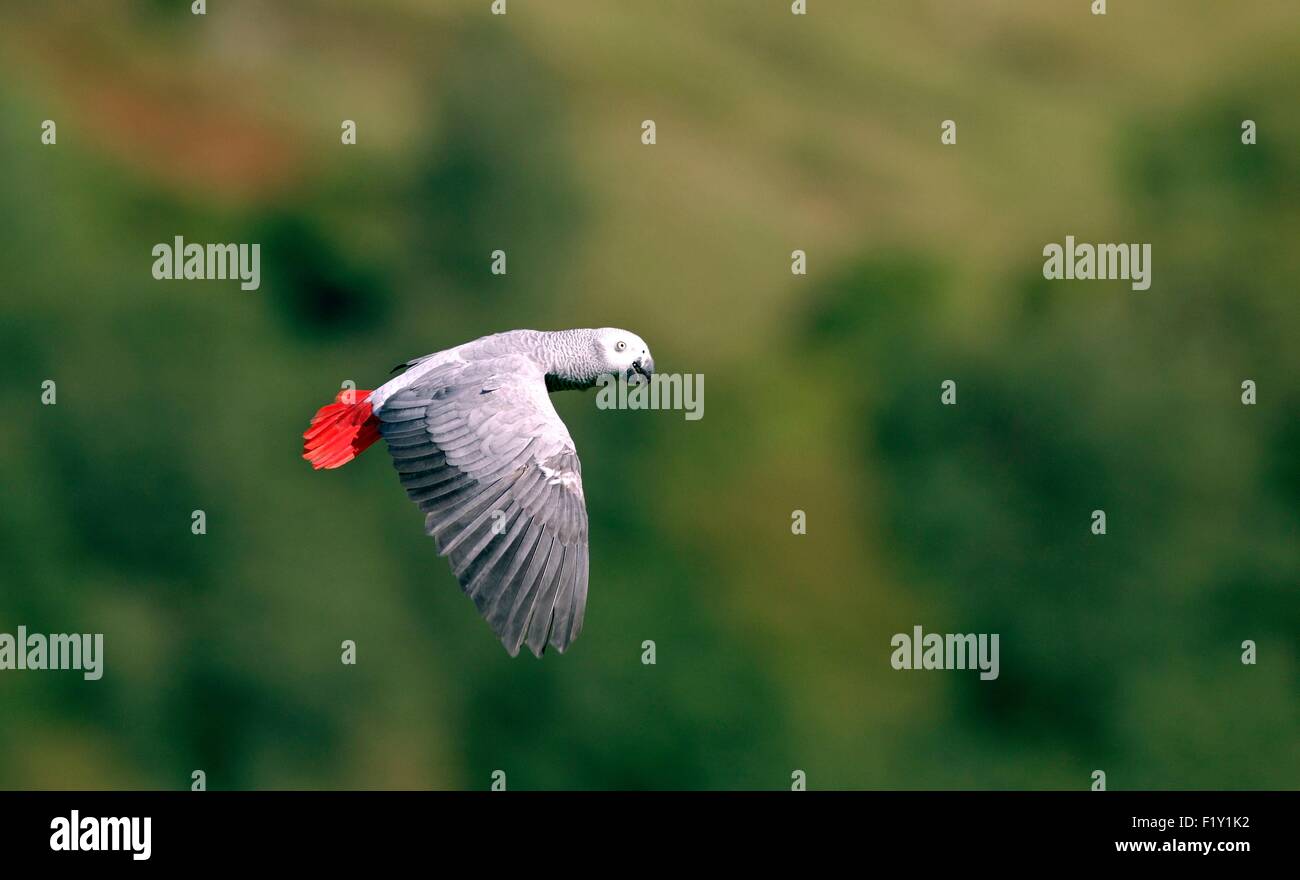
775, 132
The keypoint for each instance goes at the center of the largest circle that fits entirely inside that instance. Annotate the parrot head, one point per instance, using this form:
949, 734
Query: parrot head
624, 354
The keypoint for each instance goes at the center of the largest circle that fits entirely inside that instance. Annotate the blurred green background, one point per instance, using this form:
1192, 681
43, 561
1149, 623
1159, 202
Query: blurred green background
775, 132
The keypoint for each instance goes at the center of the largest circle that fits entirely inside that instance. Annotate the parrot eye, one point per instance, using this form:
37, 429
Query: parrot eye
620, 346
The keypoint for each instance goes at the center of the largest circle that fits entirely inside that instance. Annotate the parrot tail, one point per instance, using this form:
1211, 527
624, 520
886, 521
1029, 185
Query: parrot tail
341, 430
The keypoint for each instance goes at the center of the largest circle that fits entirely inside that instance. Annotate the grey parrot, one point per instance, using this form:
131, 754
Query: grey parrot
480, 449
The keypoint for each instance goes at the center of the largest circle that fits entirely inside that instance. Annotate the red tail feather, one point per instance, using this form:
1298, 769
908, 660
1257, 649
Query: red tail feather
341, 430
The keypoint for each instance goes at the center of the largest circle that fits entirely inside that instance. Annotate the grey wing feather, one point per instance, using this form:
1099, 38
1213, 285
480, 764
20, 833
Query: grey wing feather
482, 452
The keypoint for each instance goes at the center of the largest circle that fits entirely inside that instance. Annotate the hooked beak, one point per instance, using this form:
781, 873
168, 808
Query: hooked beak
644, 367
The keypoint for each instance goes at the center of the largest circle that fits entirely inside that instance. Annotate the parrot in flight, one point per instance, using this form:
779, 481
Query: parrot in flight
479, 448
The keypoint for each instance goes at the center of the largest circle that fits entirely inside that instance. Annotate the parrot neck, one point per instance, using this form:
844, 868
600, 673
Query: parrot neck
569, 356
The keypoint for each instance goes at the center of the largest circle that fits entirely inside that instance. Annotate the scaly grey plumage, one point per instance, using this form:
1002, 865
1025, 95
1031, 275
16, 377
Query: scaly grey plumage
479, 448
